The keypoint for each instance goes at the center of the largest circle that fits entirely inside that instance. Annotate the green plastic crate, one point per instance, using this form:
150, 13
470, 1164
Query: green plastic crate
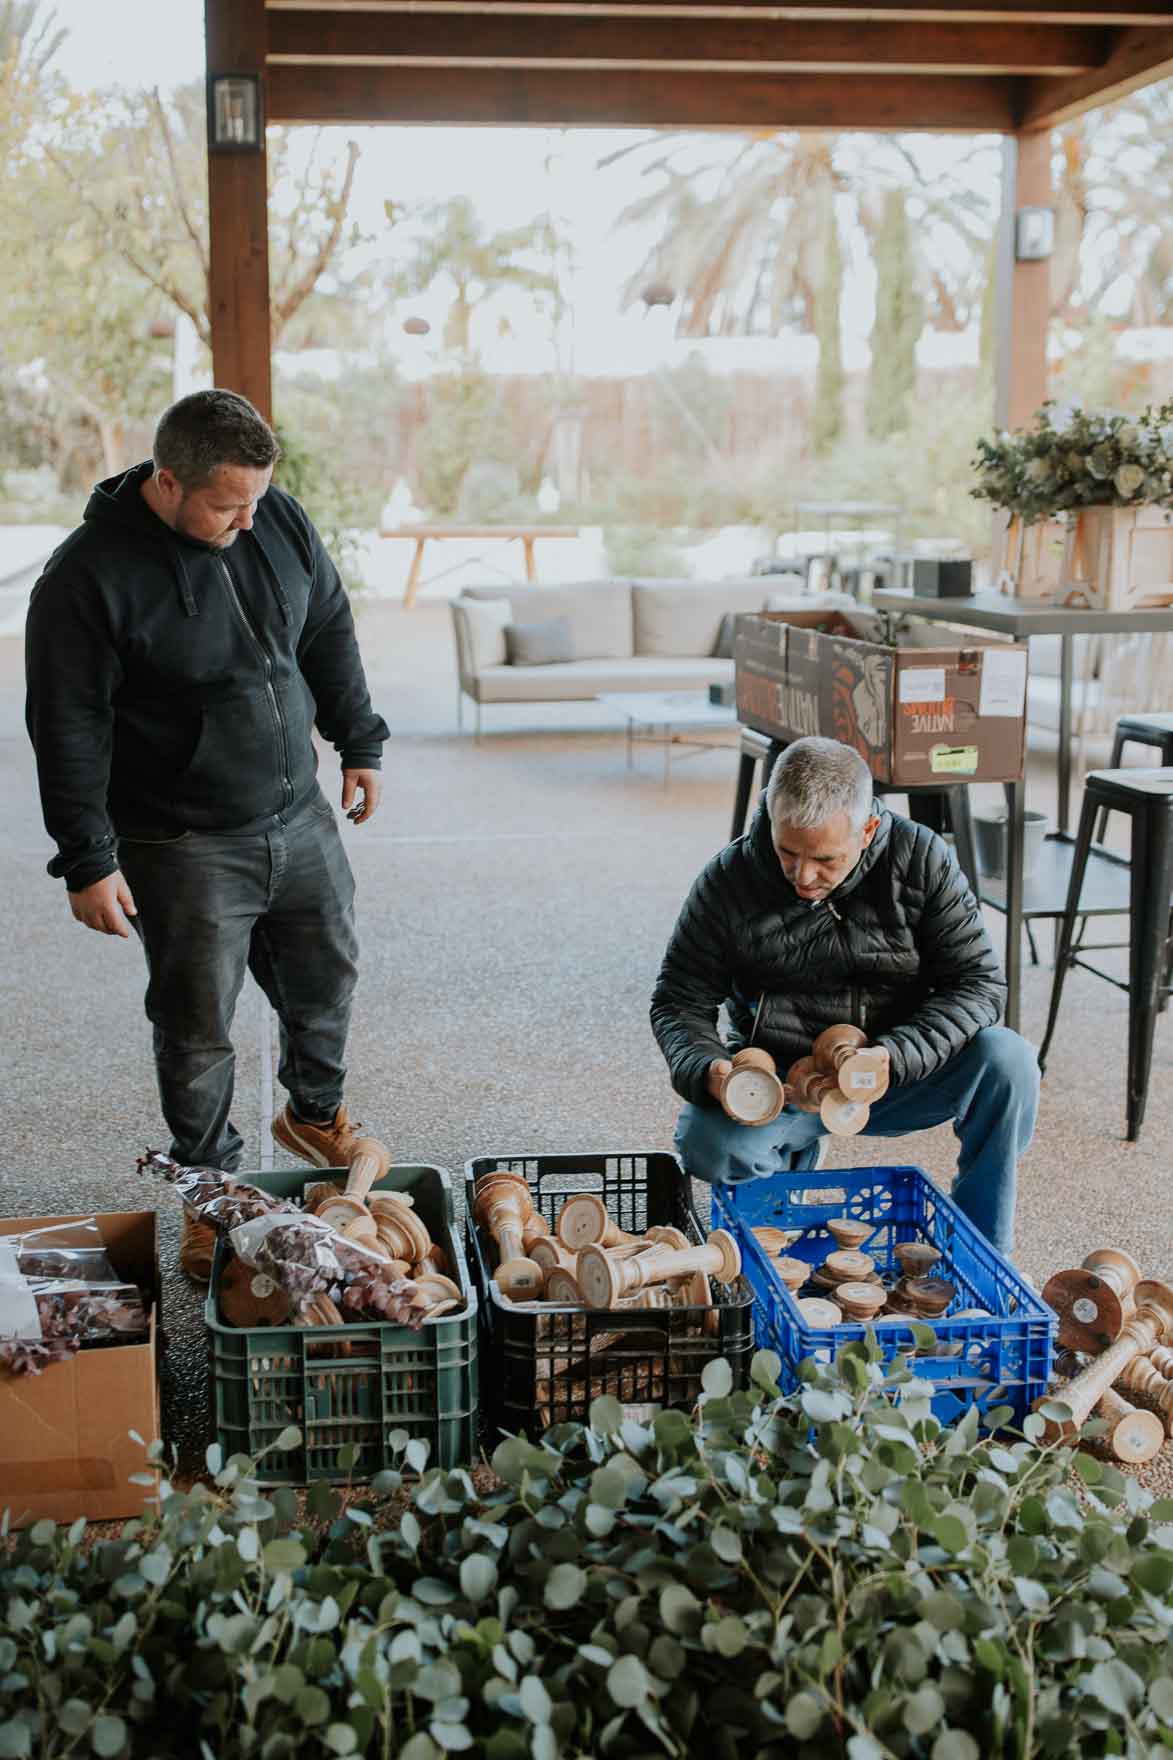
352, 1384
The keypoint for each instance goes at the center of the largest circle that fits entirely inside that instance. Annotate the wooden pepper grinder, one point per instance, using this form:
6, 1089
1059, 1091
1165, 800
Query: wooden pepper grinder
1094, 1300
862, 1071
1133, 1436
1151, 1324
752, 1093
605, 1281
502, 1205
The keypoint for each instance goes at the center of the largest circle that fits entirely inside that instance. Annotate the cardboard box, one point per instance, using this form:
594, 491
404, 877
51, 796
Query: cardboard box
919, 716
64, 1445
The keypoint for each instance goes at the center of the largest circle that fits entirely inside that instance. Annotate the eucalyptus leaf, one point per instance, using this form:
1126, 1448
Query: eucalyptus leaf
565, 1585
627, 1682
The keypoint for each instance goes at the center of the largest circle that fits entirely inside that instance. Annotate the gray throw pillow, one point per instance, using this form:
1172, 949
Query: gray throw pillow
539, 644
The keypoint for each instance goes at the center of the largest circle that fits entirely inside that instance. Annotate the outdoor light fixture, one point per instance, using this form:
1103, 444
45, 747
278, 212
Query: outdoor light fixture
235, 122
1034, 234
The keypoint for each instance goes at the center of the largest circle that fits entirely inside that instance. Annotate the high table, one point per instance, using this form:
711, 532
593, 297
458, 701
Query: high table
1044, 895
420, 535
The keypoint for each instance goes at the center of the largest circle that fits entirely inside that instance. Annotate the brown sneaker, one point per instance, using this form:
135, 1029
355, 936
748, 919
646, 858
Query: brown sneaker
324, 1145
197, 1243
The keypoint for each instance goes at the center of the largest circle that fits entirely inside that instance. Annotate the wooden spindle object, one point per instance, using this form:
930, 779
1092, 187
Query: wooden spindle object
861, 1071
1162, 1358
847, 1267
798, 1077
848, 1234
583, 1221
368, 1165
1142, 1376
1133, 1436
752, 1093
551, 1255
502, 1205
915, 1258
1094, 1300
1150, 1325
860, 1302
820, 1313
843, 1117
605, 1281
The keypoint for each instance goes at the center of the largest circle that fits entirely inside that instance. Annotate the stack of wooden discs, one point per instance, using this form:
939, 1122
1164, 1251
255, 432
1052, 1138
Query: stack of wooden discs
576, 1266
384, 1224
848, 1288
840, 1080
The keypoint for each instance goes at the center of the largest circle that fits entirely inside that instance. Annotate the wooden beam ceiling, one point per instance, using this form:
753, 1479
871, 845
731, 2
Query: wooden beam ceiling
708, 63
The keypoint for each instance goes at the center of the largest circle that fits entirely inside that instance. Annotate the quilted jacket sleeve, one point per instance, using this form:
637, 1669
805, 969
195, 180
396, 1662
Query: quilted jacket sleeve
966, 990
695, 979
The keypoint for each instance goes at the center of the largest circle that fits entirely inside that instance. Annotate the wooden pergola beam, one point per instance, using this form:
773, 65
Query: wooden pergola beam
326, 38
1139, 58
1147, 13
550, 98
238, 220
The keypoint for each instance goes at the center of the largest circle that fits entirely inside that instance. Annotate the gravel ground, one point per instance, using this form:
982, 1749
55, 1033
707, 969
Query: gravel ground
514, 901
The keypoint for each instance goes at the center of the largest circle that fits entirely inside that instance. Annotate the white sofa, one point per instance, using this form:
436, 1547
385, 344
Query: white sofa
628, 635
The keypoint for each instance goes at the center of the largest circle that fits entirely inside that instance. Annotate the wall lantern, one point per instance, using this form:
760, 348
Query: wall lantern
235, 121
1034, 234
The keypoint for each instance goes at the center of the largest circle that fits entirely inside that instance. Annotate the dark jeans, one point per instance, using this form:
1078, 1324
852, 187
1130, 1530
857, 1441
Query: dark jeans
278, 902
990, 1090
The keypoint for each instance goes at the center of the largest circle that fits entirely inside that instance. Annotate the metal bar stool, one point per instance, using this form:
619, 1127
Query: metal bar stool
942, 809
1147, 797
1154, 730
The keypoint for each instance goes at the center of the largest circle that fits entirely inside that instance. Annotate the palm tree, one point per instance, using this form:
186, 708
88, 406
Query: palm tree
453, 244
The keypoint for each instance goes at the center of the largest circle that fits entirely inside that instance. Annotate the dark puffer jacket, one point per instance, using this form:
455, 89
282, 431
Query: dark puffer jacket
899, 948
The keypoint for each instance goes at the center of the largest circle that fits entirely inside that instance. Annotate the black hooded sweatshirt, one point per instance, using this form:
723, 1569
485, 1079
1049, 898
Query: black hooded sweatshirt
173, 687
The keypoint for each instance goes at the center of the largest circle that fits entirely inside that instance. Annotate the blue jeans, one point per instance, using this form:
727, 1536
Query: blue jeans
278, 903
990, 1091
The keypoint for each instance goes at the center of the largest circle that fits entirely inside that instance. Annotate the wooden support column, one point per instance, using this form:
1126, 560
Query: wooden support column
238, 218
1023, 289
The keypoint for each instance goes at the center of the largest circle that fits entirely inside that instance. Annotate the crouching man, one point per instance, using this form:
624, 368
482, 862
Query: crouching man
831, 909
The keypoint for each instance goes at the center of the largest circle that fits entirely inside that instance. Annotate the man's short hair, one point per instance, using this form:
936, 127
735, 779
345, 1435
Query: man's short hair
816, 778
208, 429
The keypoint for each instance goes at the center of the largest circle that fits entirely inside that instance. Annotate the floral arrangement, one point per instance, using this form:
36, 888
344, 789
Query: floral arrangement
1083, 458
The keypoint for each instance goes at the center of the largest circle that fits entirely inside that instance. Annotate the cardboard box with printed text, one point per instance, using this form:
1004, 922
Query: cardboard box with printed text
919, 716
65, 1448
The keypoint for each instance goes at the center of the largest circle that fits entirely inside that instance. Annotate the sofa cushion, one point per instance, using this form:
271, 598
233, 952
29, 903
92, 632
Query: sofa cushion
599, 613
486, 620
582, 679
680, 619
549, 643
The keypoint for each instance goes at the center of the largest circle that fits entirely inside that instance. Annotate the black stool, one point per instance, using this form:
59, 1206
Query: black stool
1155, 730
1147, 797
943, 809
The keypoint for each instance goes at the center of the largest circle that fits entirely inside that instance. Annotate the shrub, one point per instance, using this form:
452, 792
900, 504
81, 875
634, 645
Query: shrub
829, 1574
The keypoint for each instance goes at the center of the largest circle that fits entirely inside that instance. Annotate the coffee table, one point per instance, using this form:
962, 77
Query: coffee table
673, 720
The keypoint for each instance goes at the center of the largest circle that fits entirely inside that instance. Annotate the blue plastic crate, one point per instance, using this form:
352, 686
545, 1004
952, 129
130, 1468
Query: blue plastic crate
1002, 1361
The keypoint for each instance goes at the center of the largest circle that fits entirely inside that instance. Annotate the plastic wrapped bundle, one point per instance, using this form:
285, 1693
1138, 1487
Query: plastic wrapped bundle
43, 1320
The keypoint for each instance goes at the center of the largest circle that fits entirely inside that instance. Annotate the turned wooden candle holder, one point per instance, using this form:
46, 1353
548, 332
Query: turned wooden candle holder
773, 1241
368, 1164
583, 1221
502, 1205
1143, 1376
849, 1267
848, 1234
400, 1231
927, 1297
551, 1255
819, 1313
434, 1262
605, 1281
1162, 1358
752, 1093
860, 1302
842, 1117
793, 1272
915, 1258
1094, 1300
561, 1286
337, 1211
1133, 1436
250, 1298
1151, 1324
861, 1071
798, 1079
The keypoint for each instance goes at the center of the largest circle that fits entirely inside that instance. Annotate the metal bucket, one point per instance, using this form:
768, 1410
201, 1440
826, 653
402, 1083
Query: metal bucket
989, 831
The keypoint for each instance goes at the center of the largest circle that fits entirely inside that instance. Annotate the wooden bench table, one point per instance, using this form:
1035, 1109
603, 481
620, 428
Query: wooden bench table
420, 534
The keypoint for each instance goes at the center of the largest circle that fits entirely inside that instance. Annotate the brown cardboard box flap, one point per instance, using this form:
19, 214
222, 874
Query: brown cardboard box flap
65, 1444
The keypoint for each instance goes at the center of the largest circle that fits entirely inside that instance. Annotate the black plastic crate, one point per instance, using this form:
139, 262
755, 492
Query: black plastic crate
352, 1385
544, 1364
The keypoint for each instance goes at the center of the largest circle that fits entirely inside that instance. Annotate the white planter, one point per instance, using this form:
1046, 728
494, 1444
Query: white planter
1117, 558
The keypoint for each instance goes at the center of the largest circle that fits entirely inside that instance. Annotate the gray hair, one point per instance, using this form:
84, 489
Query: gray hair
816, 778
208, 429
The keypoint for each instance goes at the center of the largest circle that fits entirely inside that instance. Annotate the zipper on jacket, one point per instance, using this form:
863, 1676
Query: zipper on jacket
274, 705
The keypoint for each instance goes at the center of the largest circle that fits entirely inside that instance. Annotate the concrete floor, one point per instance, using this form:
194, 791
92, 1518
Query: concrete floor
514, 901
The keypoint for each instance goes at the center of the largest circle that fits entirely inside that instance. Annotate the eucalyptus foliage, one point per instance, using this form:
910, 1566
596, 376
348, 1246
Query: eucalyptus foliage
827, 1574
1085, 459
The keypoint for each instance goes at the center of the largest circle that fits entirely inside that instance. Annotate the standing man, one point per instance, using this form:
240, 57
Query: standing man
181, 646
833, 910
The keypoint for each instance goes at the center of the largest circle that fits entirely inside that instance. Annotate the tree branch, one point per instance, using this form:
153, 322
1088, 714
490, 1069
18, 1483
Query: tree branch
189, 225
305, 283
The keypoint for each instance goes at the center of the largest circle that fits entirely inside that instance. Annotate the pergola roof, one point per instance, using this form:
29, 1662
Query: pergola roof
708, 63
